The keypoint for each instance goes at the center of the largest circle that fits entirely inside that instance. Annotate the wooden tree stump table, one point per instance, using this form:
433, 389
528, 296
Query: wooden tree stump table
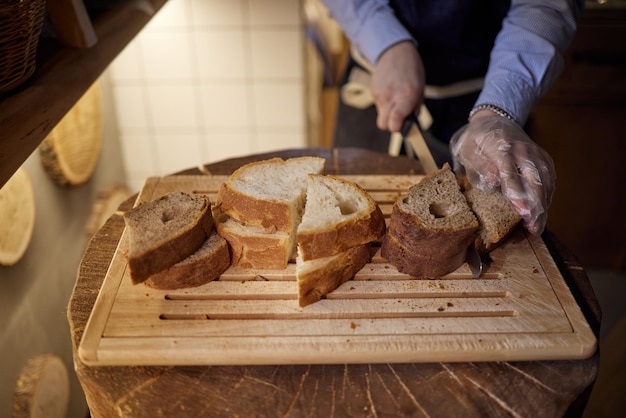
481, 389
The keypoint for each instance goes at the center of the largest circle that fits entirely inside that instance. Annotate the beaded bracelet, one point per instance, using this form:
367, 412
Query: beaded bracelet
494, 109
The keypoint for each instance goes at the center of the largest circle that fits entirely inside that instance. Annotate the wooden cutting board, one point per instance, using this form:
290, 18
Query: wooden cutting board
519, 309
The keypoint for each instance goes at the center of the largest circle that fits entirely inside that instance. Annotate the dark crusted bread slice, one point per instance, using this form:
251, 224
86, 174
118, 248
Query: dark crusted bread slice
434, 216
419, 265
432, 222
203, 266
253, 246
318, 277
338, 215
165, 231
496, 216
269, 193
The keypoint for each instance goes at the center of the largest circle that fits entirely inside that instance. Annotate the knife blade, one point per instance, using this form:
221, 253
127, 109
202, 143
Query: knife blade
415, 144
474, 261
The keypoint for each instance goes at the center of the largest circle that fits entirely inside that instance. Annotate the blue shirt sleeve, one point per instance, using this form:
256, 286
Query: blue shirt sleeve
370, 25
528, 54
526, 59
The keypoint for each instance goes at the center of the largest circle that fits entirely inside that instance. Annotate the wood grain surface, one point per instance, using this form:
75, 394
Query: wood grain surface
470, 389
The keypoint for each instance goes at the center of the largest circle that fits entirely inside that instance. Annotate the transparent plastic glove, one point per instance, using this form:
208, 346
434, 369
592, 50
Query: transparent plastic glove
496, 152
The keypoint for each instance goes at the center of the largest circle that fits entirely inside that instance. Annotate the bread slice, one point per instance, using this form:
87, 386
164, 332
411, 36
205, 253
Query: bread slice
338, 215
419, 265
203, 266
253, 246
269, 193
432, 222
316, 278
165, 231
496, 217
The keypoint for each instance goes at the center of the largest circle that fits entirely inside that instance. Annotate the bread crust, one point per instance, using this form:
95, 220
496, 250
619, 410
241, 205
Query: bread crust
269, 214
427, 241
203, 266
419, 265
180, 245
317, 283
345, 235
268, 251
272, 214
430, 228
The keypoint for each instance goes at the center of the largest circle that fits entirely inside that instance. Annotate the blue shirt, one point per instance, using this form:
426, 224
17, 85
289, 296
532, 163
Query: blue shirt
525, 51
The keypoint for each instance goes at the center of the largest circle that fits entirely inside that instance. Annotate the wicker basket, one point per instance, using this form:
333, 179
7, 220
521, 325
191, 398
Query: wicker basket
20, 26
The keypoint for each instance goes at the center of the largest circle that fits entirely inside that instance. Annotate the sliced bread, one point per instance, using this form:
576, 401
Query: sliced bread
318, 277
165, 231
433, 221
203, 266
269, 193
338, 215
496, 217
252, 246
415, 264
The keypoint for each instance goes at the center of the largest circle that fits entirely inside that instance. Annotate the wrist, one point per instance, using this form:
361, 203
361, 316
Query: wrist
485, 110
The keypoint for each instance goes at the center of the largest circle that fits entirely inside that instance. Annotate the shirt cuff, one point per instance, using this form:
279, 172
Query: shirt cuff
379, 32
508, 92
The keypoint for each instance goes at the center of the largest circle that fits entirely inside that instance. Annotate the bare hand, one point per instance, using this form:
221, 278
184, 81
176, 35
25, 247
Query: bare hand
398, 85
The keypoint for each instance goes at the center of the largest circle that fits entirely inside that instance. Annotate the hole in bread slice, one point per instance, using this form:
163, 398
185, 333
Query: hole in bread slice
440, 209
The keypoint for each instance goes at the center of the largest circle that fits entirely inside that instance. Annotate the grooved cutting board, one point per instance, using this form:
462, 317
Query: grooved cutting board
519, 309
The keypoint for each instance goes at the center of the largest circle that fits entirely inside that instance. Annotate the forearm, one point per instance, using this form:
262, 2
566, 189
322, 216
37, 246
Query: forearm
528, 54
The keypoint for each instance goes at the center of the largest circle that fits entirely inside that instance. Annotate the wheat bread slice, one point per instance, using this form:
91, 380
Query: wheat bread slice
269, 193
434, 217
431, 227
418, 265
165, 231
203, 266
318, 277
338, 215
253, 246
425, 241
496, 217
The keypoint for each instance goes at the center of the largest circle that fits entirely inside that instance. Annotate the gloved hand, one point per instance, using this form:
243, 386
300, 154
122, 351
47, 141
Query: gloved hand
397, 85
495, 152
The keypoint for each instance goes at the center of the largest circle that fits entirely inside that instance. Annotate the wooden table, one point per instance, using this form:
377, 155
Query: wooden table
525, 389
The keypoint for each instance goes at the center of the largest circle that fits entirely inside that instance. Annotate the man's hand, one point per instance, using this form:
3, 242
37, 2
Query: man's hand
398, 85
496, 152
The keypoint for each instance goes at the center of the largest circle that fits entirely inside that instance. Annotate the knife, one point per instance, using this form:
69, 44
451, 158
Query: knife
415, 144
474, 261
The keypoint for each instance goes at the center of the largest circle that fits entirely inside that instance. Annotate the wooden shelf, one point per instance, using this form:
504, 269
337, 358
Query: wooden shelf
63, 74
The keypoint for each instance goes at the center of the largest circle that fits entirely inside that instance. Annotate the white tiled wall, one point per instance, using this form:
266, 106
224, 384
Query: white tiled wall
208, 80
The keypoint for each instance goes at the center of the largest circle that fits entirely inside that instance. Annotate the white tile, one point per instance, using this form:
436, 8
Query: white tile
275, 12
277, 54
167, 55
278, 140
220, 54
225, 105
137, 154
217, 13
135, 179
175, 14
173, 107
131, 107
176, 152
228, 144
279, 105
128, 65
